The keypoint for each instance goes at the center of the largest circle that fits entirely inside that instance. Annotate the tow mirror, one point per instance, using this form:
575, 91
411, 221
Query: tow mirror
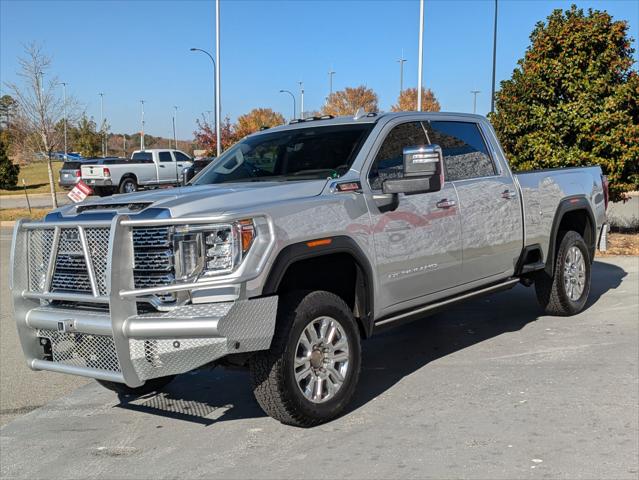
423, 171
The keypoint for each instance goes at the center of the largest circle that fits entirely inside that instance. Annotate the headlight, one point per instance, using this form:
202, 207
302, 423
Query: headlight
211, 249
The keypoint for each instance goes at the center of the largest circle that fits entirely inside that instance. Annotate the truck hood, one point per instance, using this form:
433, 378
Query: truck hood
208, 199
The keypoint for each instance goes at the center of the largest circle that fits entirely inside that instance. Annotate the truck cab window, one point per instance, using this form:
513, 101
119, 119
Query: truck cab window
465, 152
389, 162
165, 157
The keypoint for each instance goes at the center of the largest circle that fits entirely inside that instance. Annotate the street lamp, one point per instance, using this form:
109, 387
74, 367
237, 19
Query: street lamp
474, 92
142, 131
492, 95
175, 127
102, 124
401, 61
301, 100
293, 97
420, 55
193, 49
331, 72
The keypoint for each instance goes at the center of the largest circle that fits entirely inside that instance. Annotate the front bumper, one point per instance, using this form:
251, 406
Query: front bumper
103, 336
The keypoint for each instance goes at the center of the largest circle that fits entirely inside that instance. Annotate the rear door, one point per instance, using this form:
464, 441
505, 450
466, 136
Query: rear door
166, 167
492, 233
417, 241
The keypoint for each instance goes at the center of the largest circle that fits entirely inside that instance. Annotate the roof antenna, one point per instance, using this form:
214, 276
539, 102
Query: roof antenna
361, 113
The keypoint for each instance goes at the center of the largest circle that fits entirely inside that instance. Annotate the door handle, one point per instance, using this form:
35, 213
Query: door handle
508, 194
445, 203
161, 166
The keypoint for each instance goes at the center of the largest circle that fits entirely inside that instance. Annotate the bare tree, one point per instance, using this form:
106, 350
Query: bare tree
40, 107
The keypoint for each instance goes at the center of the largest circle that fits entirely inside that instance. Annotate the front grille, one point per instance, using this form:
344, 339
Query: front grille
82, 350
154, 264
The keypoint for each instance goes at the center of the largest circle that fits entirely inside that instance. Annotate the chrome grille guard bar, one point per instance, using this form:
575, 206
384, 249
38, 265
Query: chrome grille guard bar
121, 294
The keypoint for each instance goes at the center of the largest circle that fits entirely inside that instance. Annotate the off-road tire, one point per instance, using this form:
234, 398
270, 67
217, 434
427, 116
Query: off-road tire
152, 385
124, 185
272, 372
551, 291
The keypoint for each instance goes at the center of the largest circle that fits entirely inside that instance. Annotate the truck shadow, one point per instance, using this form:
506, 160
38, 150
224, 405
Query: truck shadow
207, 397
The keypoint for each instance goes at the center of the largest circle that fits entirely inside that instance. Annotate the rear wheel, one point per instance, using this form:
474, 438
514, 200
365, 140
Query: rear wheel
566, 292
311, 370
128, 185
152, 385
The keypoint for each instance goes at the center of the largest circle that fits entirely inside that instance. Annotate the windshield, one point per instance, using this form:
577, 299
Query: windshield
302, 154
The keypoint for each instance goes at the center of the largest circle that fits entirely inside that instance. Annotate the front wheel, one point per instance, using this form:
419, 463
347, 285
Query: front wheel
566, 292
152, 385
311, 370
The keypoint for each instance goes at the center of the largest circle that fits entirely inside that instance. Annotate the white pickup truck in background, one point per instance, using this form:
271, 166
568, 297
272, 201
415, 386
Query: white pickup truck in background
146, 168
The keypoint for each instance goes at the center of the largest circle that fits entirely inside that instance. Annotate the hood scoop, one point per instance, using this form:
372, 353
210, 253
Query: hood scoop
133, 207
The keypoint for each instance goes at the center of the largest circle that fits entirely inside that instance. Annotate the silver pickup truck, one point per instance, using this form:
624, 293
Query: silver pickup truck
291, 248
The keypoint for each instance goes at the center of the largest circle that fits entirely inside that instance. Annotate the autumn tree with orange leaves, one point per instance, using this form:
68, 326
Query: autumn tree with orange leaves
255, 120
349, 100
206, 138
407, 101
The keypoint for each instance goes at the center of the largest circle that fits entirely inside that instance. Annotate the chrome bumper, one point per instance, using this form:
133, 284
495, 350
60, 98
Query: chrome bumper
98, 182
118, 344
603, 237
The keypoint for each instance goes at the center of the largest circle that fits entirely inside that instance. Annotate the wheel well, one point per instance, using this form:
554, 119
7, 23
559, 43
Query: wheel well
128, 175
338, 273
577, 219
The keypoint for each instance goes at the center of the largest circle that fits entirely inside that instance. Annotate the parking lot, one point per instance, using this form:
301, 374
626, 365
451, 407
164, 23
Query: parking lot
490, 389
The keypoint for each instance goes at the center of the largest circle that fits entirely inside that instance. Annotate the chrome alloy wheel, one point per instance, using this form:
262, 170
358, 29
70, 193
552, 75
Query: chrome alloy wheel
574, 273
321, 359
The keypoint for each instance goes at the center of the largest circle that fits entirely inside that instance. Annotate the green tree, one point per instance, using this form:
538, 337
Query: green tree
85, 138
8, 170
573, 99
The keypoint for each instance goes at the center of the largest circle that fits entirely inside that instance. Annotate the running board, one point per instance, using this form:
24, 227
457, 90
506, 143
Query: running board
448, 301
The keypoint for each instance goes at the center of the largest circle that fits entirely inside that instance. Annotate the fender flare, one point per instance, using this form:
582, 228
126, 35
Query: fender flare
296, 252
569, 204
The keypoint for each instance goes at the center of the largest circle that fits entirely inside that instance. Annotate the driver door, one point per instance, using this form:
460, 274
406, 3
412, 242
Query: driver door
417, 238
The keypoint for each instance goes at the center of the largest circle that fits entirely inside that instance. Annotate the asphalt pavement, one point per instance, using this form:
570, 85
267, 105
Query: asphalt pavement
489, 389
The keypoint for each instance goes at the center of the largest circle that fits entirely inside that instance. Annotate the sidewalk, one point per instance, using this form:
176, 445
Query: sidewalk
37, 200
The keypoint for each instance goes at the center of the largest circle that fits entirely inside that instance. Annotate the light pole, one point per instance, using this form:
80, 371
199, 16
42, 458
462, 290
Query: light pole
142, 131
492, 95
401, 62
214, 89
293, 97
64, 99
331, 72
218, 106
421, 55
301, 100
175, 127
102, 123
474, 92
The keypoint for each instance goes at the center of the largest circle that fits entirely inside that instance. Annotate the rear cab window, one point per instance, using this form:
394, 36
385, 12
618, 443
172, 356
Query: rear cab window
465, 152
165, 157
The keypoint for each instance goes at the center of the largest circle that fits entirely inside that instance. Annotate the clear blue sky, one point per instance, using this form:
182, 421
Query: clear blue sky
140, 49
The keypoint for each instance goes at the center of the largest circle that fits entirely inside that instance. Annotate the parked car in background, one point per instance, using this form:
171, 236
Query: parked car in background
198, 165
70, 173
146, 168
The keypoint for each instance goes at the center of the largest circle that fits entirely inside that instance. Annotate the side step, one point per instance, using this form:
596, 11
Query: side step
432, 307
